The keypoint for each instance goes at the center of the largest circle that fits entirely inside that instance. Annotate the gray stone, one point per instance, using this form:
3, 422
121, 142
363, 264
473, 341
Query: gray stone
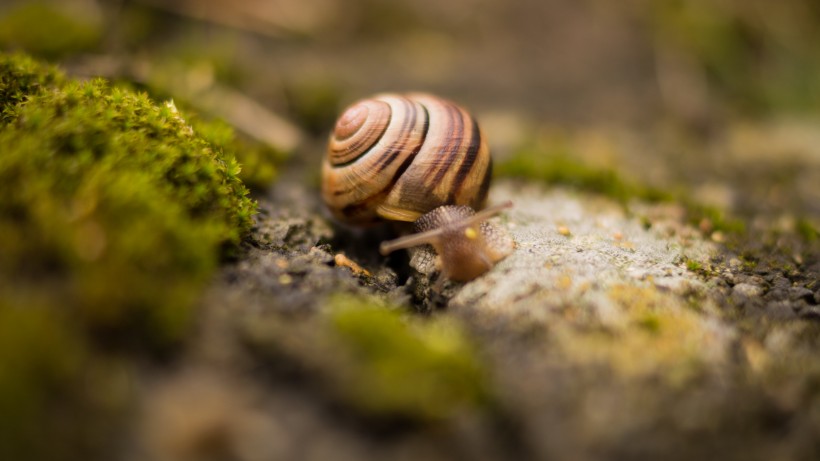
801, 293
748, 289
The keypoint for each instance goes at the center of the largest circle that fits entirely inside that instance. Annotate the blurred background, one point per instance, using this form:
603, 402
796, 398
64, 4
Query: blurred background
718, 96
562, 60
722, 82
705, 103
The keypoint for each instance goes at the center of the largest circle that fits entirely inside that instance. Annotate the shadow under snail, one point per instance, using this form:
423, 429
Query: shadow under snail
422, 159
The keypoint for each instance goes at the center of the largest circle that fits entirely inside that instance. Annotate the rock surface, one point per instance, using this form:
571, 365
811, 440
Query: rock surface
607, 333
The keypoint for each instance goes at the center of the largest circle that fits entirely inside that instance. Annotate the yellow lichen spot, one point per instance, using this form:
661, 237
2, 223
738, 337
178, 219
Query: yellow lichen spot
626, 245
652, 334
470, 233
564, 282
564, 230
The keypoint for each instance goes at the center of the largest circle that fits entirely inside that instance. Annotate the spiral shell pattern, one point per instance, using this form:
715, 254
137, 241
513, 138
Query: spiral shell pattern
396, 157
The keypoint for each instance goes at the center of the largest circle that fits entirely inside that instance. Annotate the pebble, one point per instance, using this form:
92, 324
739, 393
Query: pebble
748, 289
798, 293
343, 261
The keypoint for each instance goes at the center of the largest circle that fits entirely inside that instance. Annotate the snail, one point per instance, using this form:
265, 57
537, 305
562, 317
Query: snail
417, 158
467, 245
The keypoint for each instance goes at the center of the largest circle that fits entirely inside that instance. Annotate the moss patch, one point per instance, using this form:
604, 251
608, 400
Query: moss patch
379, 362
115, 204
170, 80
693, 265
807, 230
259, 163
110, 205
20, 78
556, 164
113, 215
407, 366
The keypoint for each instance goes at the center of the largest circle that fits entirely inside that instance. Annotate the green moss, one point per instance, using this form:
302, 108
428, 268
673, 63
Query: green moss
649, 322
693, 265
378, 361
700, 268
112, 207
557, 165
711, 218
44, 29
113, 215
807, 231
748, 260
258, 162
412, 367
21, 77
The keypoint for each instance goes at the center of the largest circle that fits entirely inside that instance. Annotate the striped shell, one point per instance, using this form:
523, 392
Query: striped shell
396, 157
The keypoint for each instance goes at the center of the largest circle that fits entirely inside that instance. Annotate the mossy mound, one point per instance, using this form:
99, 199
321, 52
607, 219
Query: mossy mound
380, 363
419, 369
113, 214
112, 206
20, 78
259, 162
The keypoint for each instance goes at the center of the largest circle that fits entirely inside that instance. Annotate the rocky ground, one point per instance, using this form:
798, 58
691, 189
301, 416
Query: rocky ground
609, 332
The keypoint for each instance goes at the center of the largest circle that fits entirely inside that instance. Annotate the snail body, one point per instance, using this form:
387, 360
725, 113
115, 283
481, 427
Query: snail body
416, 158
467, 245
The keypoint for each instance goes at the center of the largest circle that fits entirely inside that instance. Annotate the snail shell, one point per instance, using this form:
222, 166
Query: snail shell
396, 157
